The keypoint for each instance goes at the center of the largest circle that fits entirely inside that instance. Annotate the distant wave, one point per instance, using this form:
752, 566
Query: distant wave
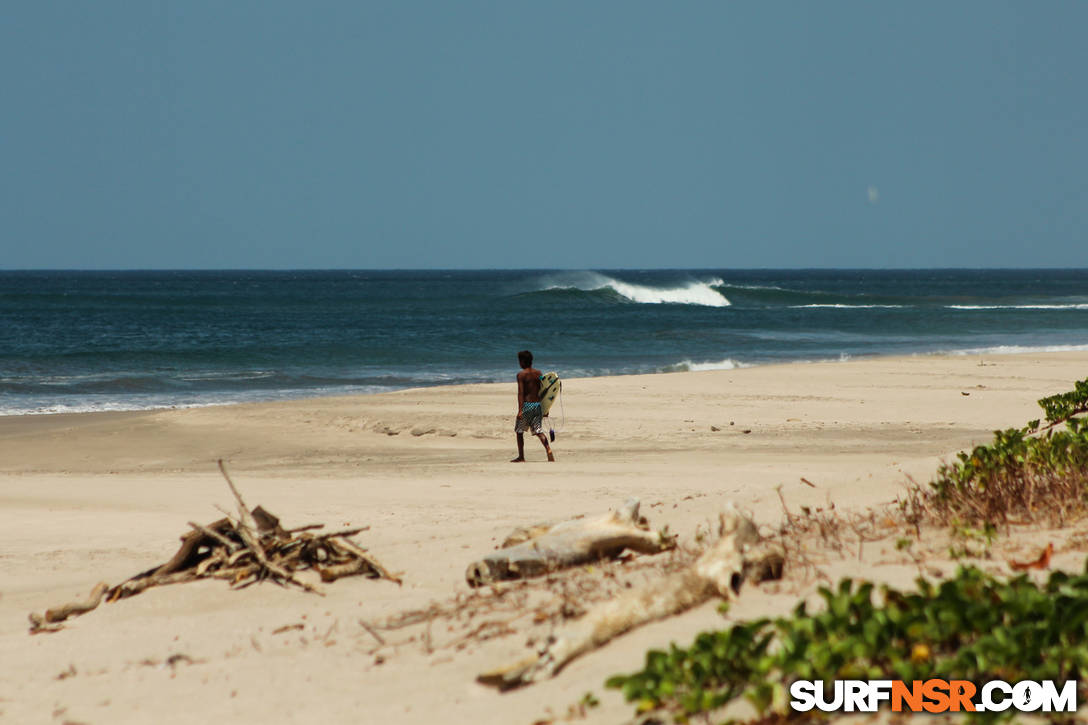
106, 406
841, 306
685, 366
772, 296
849, 307
1017, 349
690, 293
1077, 306
100, 403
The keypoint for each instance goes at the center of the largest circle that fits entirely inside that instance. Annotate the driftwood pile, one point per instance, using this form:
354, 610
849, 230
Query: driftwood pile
581, 583
250, 549
531, 607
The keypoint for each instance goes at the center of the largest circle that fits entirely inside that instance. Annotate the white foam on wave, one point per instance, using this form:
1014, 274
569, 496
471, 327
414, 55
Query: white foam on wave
133, 403
686, 366
1077, 306
849, 307
215, 375
115, 406
758, 287
691, 293
1017, 349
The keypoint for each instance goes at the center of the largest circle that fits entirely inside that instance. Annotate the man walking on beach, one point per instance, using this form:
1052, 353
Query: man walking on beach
530, 416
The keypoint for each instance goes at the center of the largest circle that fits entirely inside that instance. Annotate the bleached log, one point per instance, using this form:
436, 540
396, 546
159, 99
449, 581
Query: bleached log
537, 550
526, 533
738, 555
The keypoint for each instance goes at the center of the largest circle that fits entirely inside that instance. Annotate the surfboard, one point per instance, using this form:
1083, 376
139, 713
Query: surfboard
550, 385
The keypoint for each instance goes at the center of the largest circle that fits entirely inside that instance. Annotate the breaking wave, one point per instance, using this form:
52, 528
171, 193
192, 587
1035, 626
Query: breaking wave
694, 292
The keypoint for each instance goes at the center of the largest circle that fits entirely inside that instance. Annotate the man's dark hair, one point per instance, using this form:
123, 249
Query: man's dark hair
525, 358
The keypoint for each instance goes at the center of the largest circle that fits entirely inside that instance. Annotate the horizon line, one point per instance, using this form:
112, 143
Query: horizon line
541, 269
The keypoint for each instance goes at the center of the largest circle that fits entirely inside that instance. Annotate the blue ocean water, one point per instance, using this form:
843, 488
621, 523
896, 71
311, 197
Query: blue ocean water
83, 341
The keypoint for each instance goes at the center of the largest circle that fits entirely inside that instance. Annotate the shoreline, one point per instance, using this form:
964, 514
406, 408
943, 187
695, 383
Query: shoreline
684, 366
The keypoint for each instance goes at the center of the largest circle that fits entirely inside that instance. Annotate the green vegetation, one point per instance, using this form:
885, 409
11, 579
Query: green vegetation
973, 627
1024, 474
1065, 405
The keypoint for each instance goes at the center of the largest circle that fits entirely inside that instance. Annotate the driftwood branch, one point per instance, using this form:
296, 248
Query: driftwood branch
739, 555
54, 615
369, 565
244, 516
536, 550
211, 533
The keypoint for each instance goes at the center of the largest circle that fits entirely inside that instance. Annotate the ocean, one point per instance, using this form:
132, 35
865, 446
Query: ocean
93, 341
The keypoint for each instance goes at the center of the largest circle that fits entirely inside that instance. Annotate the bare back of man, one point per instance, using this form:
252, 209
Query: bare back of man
530, 416
529, 382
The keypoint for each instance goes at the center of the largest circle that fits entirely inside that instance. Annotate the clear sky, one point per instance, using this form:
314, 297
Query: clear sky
627, 134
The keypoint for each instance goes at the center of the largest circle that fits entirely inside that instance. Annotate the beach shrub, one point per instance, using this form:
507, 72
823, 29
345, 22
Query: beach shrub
972, 627
1065, 405
1022, 473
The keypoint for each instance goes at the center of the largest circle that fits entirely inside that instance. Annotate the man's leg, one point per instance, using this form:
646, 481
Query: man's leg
521, 449
548, 449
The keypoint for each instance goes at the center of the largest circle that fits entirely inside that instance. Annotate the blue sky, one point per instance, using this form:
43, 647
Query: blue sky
626, 134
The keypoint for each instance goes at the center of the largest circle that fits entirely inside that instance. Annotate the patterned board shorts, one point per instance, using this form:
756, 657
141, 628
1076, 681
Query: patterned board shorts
531, 419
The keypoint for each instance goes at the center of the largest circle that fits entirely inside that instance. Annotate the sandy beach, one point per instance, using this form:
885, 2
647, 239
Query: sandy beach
101, 496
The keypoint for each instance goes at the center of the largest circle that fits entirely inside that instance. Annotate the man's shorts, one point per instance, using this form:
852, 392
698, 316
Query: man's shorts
531, 419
